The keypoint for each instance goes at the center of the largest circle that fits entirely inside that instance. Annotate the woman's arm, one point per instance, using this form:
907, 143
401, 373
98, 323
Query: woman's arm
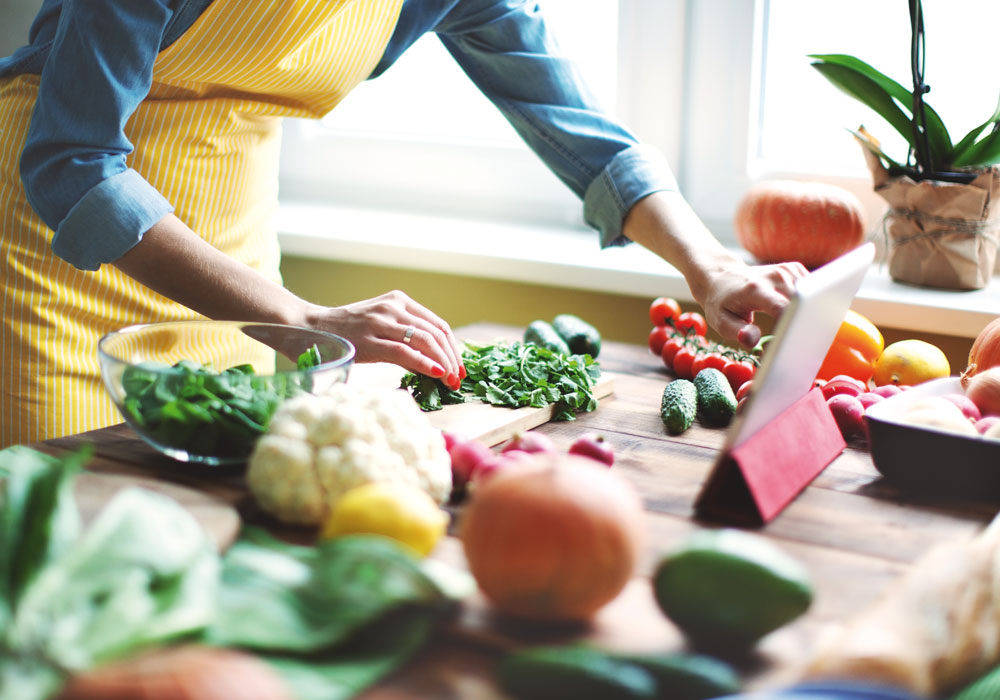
729, 290
174, 261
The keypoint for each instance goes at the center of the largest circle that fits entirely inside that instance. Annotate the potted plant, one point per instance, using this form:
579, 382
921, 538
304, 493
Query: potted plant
943, 223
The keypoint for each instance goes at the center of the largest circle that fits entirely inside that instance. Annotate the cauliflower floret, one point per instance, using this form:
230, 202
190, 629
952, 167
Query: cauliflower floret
319, 447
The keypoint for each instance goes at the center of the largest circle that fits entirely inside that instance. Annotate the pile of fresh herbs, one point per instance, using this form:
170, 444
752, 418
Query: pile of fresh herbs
331, 619
191, 407
515, 375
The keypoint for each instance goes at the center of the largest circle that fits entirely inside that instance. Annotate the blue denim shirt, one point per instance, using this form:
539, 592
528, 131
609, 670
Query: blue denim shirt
95, 58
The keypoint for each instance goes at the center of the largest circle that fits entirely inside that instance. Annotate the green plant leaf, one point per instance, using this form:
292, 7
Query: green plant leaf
970, 138
986, 151
938, 138
870, 145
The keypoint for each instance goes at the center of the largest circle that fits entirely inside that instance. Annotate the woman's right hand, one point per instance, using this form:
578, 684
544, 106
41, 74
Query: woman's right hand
379, 329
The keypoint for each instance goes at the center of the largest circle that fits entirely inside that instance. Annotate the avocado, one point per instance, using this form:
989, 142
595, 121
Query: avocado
729, 588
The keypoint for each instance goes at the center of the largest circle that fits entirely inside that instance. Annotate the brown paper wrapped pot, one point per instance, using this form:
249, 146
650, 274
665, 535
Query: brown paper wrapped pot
940, 234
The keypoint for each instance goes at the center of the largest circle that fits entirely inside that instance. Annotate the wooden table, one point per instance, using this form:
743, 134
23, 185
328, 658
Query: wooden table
854, 533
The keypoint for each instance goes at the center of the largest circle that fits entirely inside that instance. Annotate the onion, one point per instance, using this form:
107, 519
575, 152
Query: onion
553, 538
188, 672
984, 391
985, 351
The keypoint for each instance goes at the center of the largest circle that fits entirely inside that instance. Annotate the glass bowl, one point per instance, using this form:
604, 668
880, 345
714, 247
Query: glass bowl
204, 391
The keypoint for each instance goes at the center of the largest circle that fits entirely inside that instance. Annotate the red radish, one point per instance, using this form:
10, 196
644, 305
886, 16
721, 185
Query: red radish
984, 424
887, 390
451, 439
466, 458
491, 465
869, 398
744, 390
530, 442
970, 409
841, 385
849, 414
593, 446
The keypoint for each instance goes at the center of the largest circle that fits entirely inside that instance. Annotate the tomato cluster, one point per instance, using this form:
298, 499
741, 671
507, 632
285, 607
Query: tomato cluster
679, 339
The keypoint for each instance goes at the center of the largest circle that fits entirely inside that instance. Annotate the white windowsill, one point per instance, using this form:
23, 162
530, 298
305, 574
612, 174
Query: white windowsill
568, 258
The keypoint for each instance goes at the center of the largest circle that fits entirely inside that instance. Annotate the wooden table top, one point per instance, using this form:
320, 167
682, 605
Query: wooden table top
853, 531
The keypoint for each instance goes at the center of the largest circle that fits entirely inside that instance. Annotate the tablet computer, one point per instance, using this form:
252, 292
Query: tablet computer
802, 336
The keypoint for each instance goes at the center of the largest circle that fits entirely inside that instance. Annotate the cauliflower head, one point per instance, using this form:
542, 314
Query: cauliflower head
317, 447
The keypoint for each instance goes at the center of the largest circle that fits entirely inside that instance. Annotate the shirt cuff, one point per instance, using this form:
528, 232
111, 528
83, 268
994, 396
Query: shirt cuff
634, 173
109, 220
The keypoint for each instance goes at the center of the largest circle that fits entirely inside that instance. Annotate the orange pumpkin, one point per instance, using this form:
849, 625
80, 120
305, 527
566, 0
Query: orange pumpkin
791, 221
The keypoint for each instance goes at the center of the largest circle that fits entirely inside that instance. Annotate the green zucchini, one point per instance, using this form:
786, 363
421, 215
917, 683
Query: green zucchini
679, 406
581, 337
716, 401
573, 673
542, 334
685, 676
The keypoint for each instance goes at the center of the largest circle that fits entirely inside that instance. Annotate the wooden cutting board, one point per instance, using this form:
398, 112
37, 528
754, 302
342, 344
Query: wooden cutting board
475, 419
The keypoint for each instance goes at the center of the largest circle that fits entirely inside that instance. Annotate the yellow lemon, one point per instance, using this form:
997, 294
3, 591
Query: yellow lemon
910, 362
405, 513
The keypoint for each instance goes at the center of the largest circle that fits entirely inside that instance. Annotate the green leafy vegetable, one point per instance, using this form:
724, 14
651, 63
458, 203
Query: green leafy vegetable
332, 619
192, 407
144, 572
515, 375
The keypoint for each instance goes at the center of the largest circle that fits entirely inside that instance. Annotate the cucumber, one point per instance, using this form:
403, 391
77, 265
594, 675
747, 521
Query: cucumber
716, 400
683, 676
581, 337
573, 673
542, 334
679, 405
727, 588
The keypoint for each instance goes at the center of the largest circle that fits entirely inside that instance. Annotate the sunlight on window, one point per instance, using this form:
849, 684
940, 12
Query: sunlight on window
426, 96
804, 118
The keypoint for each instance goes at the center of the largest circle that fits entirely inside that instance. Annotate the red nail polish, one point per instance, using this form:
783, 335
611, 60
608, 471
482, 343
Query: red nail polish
451, 381
437, 370
461, 372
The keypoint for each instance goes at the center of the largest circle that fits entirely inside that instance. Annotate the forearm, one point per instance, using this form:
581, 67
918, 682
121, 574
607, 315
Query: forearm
174, 261
665, 224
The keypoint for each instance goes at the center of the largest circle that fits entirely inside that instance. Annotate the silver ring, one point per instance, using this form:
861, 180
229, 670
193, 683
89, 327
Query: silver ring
408, 334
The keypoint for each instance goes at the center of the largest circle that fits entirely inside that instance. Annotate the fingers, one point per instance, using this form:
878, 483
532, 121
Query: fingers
740, 293
394, 328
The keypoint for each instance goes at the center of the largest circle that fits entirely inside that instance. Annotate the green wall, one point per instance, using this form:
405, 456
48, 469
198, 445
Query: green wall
463, 300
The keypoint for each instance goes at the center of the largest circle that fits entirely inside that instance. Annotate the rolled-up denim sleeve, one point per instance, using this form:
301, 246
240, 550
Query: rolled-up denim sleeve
73, 165
505, 47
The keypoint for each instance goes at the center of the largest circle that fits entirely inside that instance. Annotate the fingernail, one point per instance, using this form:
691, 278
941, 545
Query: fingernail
437, 370
461, 372
452, 380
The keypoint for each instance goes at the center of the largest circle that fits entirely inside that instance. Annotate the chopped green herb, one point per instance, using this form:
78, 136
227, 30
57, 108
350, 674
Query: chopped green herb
515, 375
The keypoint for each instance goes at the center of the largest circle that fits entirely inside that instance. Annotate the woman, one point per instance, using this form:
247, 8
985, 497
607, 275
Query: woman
138, 161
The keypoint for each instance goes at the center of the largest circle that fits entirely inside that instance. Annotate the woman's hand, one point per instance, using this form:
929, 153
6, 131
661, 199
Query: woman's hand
735, 292
729, 290
394, 328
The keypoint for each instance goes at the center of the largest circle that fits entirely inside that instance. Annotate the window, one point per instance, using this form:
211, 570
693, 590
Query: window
756, 109
422, 137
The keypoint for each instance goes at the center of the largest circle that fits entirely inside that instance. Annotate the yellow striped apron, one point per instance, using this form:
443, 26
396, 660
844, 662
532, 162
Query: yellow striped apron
207, 137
